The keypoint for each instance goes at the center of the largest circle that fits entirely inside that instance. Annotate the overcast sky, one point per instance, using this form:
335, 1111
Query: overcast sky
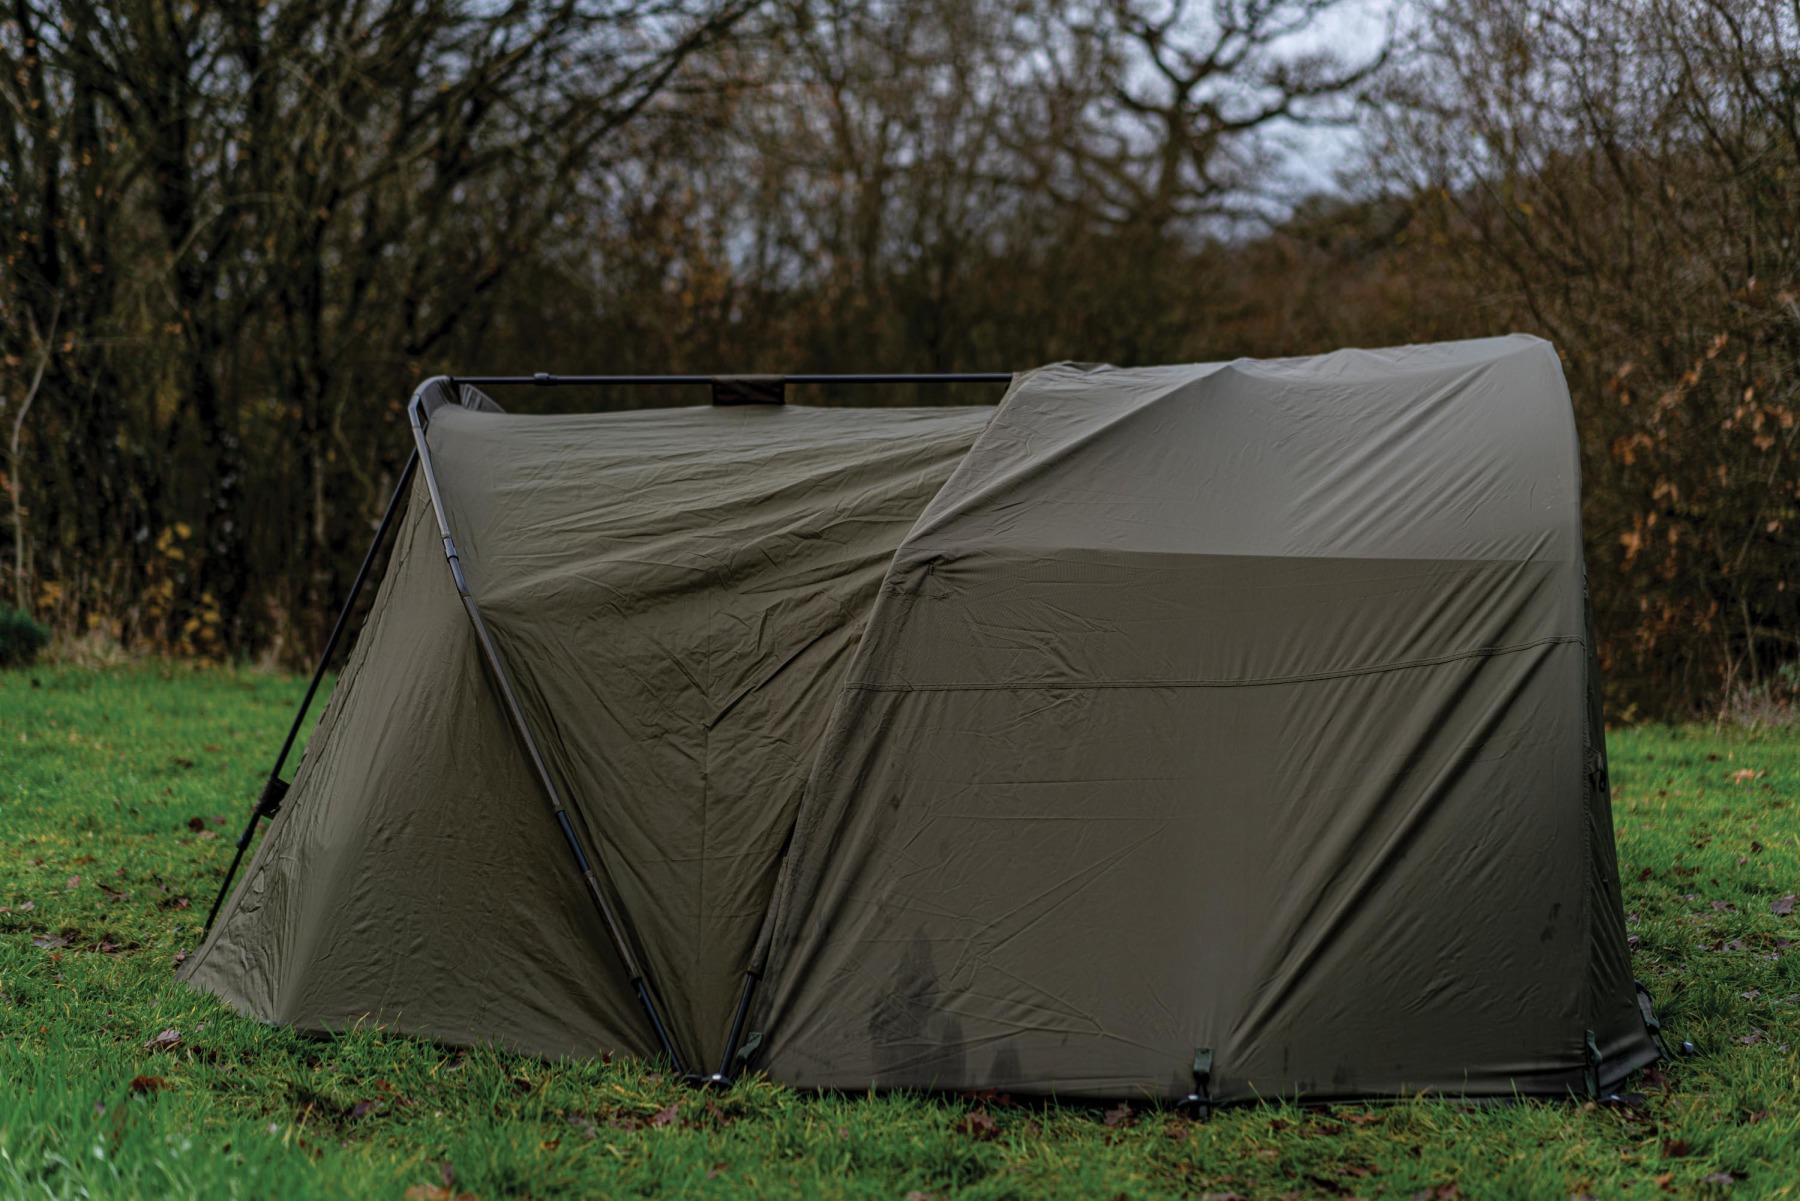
1354, 30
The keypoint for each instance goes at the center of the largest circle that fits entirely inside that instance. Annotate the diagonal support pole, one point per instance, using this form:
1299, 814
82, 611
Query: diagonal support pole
515, 715
275, 788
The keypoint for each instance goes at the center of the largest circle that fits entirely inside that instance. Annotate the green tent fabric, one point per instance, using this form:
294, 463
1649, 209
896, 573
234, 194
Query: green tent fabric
1242, 712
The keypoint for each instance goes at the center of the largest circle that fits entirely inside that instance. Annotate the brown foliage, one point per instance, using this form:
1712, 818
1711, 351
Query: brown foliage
1623, 177
242, 233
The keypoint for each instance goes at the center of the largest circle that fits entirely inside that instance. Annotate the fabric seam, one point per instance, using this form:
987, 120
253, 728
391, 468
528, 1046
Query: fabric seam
1483, 652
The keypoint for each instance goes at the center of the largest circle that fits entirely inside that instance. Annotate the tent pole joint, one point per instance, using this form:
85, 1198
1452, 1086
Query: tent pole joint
749, 390
275, 790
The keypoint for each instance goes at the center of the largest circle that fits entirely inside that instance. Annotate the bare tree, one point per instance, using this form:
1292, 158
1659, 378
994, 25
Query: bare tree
285, 203
1624, 177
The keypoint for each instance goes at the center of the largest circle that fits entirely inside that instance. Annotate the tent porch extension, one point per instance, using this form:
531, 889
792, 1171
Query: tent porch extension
1222, 731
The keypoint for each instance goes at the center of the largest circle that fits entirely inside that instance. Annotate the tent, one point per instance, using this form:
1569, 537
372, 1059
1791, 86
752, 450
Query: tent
1208, 732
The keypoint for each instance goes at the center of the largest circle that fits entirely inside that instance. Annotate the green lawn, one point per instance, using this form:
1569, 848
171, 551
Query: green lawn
121, 793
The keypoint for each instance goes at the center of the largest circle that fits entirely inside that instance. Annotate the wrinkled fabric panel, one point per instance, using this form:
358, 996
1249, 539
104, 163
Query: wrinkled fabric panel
414, 878
1069, 890
677, 595
1234, 706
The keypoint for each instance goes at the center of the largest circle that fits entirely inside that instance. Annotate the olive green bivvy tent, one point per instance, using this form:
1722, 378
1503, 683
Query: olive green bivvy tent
1214, 732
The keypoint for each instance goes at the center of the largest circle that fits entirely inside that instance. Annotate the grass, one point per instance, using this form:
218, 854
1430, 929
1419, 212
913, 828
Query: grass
121, 792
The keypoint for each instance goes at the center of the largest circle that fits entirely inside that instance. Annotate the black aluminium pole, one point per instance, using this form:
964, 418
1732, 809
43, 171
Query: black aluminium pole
544, 379
275, 788
515, 713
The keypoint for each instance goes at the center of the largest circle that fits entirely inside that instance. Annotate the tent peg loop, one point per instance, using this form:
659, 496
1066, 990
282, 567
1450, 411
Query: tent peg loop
1647, 1010
1198, 1104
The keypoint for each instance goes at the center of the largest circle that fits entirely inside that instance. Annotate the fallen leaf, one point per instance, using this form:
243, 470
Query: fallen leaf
665, 1117
74, 883
1440, 1192
1116, 1118
1782, 906
27, 906
1362, 1119
1724, 1178
1751, 994
146, 1084
164, 1041
196, 824
1675, 1148
50, 942
361, 1110
987, 1096
210, 748
1751, 1039
1745, 774
978, 1125
1724, 907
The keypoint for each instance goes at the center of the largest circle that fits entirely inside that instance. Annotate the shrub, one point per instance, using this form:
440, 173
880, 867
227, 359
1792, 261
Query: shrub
21, 638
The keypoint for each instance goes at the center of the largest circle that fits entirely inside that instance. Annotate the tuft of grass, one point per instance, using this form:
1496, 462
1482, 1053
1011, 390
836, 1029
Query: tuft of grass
122, 790
21, 637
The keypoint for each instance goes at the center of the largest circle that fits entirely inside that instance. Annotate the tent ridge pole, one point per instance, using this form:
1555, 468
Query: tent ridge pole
275, 788
515, 715
544, 379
